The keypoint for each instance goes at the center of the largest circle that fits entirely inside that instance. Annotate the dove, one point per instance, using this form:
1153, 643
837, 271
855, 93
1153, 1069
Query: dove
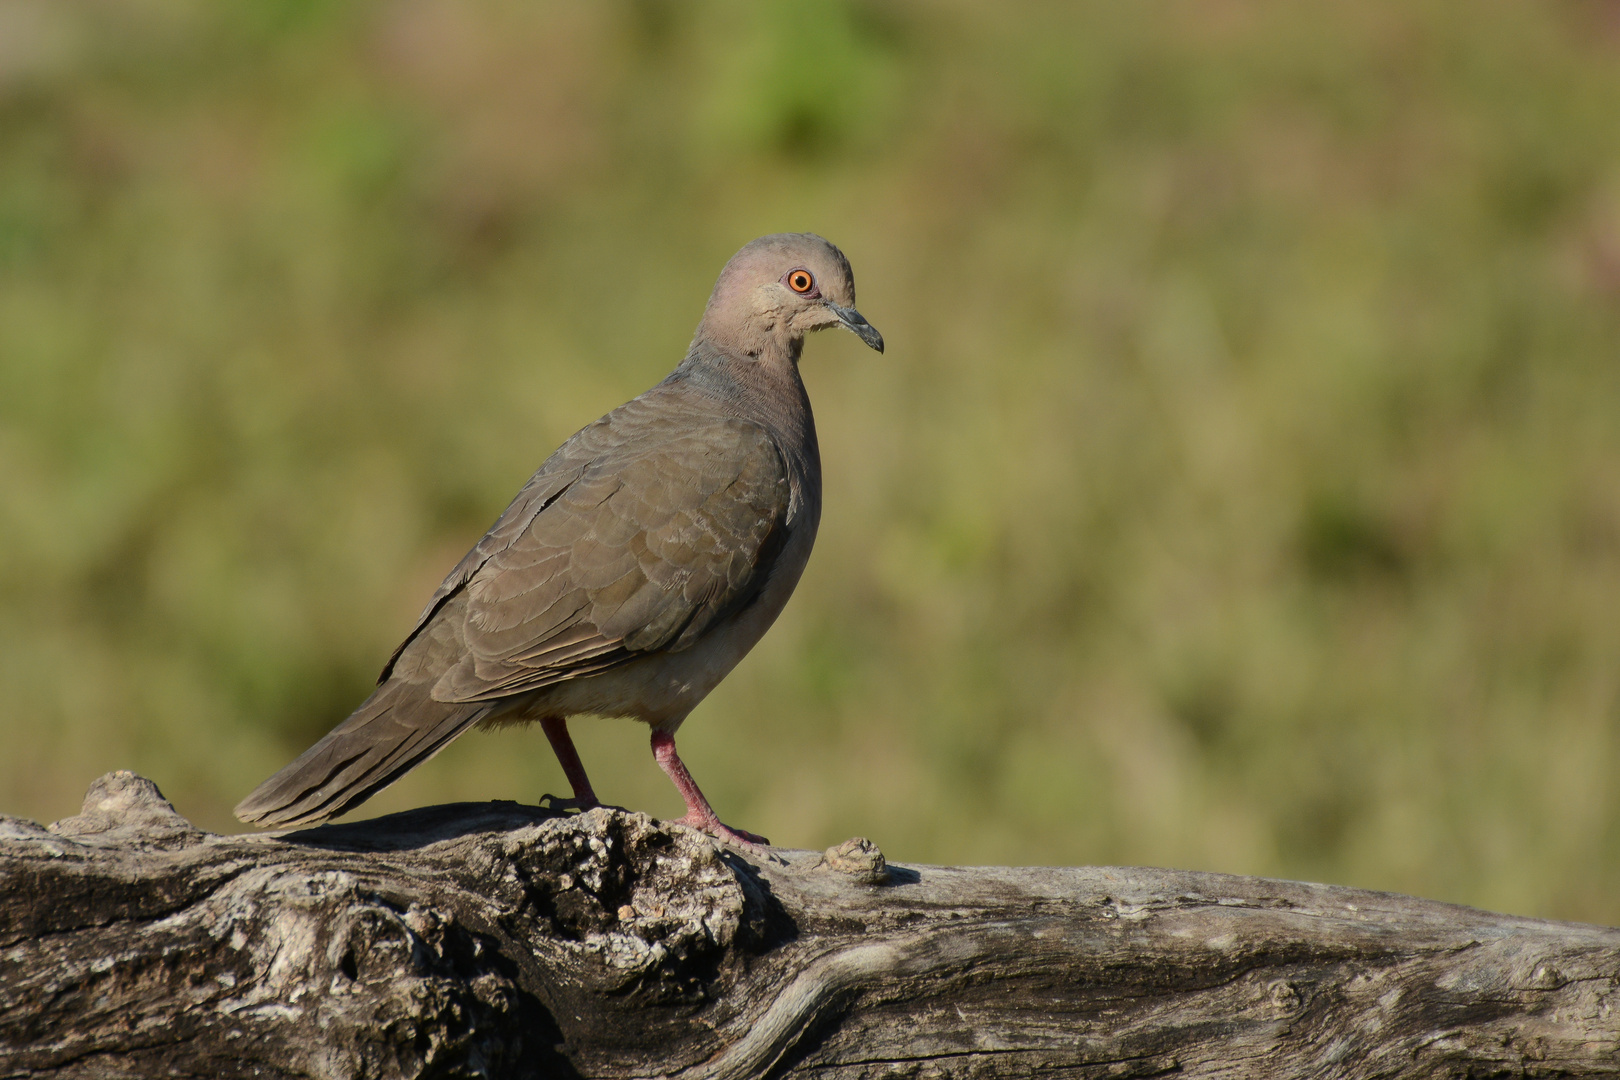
633, 571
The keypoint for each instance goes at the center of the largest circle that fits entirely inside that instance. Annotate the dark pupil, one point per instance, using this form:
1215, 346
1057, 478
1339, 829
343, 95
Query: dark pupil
801, 282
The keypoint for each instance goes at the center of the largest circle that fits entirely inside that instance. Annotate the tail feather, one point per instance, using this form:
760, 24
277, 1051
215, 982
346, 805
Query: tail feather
396, 729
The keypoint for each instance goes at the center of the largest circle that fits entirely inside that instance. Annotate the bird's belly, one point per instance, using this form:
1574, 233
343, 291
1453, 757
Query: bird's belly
662, 687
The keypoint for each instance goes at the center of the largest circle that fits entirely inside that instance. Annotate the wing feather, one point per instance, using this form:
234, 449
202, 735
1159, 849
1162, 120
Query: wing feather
639, 533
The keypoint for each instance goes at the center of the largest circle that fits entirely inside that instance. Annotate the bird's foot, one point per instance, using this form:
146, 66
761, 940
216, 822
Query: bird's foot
708, 823
699, 814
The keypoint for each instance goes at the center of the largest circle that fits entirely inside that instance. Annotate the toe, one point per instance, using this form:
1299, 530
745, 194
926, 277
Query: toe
726, 834
740, 837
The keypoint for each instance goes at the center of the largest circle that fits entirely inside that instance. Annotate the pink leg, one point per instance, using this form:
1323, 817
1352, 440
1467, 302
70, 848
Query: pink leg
699, 814
556, 729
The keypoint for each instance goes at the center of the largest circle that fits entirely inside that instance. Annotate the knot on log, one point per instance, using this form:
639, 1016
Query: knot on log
123, 808
858, 858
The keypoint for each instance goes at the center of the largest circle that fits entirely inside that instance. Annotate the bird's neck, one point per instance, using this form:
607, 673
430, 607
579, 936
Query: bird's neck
763, 387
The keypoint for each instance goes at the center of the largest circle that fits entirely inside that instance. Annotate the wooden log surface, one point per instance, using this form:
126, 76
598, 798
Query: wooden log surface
502, 940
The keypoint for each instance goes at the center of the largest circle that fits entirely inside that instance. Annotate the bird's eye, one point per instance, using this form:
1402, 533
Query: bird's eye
800, 281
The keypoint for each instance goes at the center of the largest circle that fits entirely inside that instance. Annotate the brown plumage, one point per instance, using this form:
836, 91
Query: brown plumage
634, 569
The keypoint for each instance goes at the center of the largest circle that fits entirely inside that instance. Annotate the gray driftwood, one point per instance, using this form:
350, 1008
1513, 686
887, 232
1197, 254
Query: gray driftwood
506, 941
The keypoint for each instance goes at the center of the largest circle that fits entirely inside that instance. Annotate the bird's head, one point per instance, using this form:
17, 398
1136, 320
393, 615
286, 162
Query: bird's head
779, 288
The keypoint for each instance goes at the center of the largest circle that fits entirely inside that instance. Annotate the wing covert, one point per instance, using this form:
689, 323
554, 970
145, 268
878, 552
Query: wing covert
641, 548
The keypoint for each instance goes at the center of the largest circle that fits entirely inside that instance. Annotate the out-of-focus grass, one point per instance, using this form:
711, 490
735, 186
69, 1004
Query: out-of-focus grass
1241, 488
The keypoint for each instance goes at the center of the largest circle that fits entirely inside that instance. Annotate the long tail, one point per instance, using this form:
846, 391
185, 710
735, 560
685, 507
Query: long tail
396, 729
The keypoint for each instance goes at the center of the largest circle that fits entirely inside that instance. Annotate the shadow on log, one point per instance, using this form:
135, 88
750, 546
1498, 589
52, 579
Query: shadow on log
492, 939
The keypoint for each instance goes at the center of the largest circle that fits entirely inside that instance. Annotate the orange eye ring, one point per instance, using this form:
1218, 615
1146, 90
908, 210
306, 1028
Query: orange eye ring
800, 280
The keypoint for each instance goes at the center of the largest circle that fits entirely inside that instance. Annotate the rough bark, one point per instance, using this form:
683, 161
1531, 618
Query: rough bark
507, 941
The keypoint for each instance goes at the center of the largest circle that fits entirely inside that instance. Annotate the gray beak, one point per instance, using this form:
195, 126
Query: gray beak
855, 321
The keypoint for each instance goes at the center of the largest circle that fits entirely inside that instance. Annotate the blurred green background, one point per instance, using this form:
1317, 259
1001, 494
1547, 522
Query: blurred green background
1240, 491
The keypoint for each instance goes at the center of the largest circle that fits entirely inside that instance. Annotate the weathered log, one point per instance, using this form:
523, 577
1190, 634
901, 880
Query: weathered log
508, 941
